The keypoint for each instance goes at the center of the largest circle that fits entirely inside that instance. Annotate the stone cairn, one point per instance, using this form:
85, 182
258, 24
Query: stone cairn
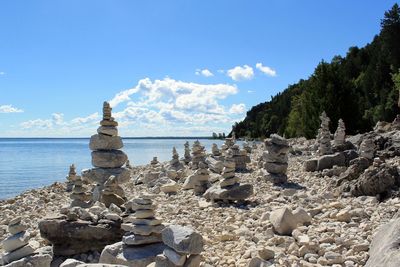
229, 142
198, 180
198, 155
324, 136
396, 122
367, 148
141, 225
276, 159
215, 151
240, 157
175, 164
187, 158
340, 134
17, 246
214, 161
71, 178
229, 187
79, 196
113, 193
107, 158
183, 247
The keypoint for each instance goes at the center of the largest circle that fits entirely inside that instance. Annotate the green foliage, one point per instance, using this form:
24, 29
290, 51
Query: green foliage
361, 88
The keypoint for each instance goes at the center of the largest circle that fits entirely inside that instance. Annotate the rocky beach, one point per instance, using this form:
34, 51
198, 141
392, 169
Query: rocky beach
329, 216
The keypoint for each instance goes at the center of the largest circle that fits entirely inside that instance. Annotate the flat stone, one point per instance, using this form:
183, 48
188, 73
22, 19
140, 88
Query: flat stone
108, 123
100, 175
109, 199
142, 229
16, 228
235, 192
107, 130
144, 214
38, 259
71, 263
106, 142
229, 182
134, 239
15, 220
109, 159
16, 241
132, 256
183, 239
150, 221
20, 252
175, 257
275, 167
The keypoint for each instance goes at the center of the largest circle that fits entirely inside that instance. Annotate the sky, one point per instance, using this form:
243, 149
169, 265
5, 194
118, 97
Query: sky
168, 68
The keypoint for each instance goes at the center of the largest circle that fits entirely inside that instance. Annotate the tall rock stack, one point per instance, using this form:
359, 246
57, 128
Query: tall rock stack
340, 134
107, 158
71, 178
79, 196
198, 155
214, 161
324, 136
187, 158
240, 157
142, 241
183, 247
276, 159
229, 188
17, 246
175, 164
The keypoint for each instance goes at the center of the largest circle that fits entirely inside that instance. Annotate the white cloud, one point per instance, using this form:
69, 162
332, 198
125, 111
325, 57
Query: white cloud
2, 73
122, 97
241, 73
9, 109
38, 123
237, 108
266, 70
82, 120
58, 118
204, 72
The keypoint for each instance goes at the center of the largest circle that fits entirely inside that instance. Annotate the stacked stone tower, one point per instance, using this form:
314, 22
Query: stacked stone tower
71, 178
340, 134
79, 196
276, 159
107, 158
198, 155
187, 158
324, 136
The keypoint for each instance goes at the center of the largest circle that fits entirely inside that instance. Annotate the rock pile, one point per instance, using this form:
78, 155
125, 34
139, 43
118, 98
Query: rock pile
112, 193
142, 242
183, 247
276, 159
175, 164
214, 161
229, 142
198, 155
229, 188
107, 158
71, 178
187, 158
367, 148
151, 175
340, 134
240, 157
324, 136
79, 196
198, 180
215, 150
17, 246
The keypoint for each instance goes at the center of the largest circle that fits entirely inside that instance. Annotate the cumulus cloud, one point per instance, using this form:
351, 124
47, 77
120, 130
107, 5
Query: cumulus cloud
38, 123
266, 70
204, 72
58, 118
237, 108
122, 97
9, 109
239, 73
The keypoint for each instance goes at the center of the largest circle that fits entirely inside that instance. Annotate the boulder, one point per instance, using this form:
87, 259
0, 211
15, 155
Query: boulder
109, 159
106, 142
183, 239
283, 221
75, 237
385, 246
328, 161
35, 260
234, 192
132, 256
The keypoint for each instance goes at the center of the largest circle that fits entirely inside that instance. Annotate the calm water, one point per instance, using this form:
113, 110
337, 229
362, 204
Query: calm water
32, 163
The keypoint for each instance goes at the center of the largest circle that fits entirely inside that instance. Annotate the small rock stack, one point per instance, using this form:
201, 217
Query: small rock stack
214, 161
183, 247
215, 150
247, 147
71, 178
324, 136
198, 180
154, 162
142, 226
229, 142
107, 158
187, 158
276, 159
175, 164
229, 188
112, 193
151, 175
240, 157
79, 196
340, 134
198, 155
17, 246
367, 148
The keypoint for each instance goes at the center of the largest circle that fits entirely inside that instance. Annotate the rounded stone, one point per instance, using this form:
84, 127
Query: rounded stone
109, 159
106, 142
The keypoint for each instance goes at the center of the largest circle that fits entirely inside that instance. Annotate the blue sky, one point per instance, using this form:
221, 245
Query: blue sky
169, 68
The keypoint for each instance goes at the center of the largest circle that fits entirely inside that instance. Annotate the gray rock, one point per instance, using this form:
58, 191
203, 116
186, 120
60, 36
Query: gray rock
235, 192
71, 263
257, 262
328, 161
36, 260
106, 142
385, 246
109, 159
16, 241
311, 165
100, 175
132, 256
183, 239
283, 220
108, 130
20, 252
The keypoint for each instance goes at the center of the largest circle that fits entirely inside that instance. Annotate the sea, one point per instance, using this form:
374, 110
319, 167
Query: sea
27, 163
